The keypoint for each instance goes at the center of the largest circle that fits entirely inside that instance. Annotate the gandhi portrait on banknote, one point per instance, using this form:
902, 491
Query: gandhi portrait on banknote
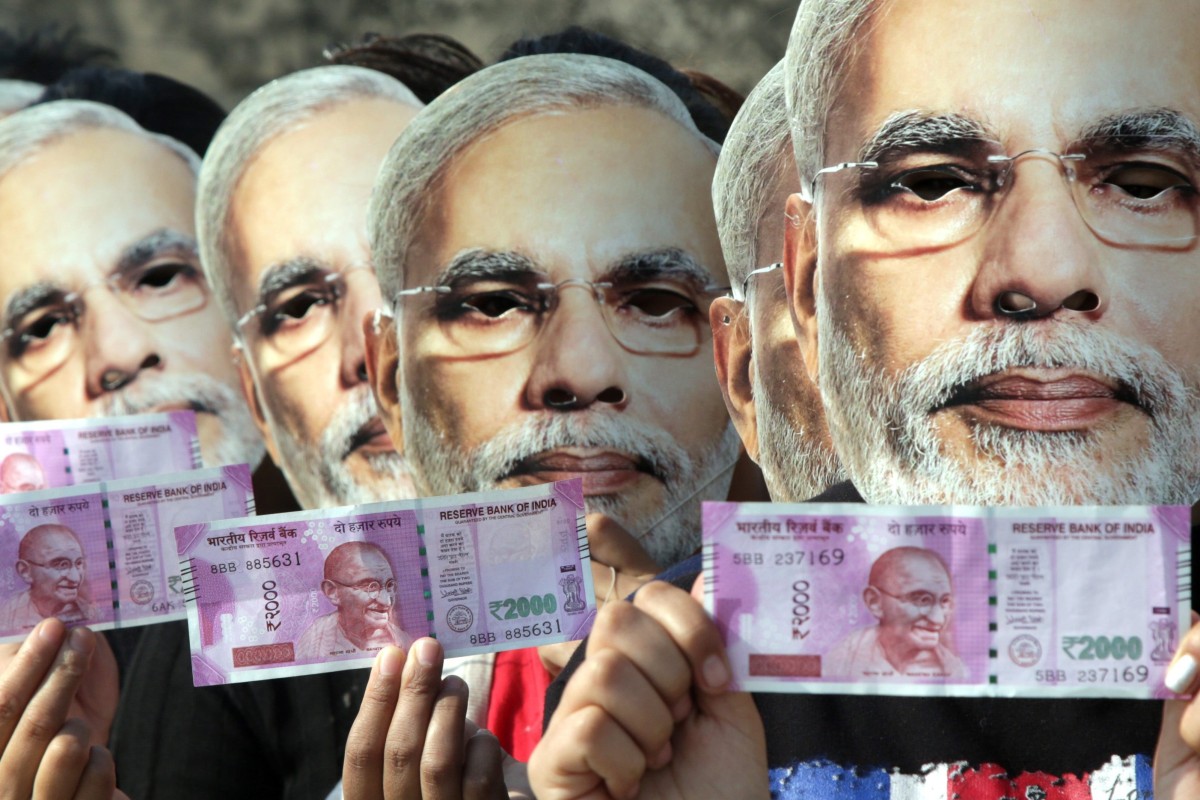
360, 583
50, 559
909, 592
21, 472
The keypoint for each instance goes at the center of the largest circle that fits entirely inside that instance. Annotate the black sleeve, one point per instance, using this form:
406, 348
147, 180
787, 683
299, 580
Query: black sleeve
280, 739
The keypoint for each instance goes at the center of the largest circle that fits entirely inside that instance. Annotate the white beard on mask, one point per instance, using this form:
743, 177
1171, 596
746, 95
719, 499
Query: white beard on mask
794, 464
669, 533
317, 471
886, 435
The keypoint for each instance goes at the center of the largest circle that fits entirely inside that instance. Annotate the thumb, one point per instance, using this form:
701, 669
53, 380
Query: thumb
613, 546
1172, 749
1173, 755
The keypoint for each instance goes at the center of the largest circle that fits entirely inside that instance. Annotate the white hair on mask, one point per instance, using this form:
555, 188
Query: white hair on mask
669, 535
15, 95
819, 50
272, 110
317, 471
479, 105
884, 431
755, 161
26, 133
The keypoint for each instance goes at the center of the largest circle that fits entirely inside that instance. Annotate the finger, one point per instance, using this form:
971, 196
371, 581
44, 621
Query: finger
46, 712
671, 640
362, 769
469, 729
99, 780
420, 683
585, 754
1181, 675
691, 629
22, 676
442, 757
639, 637
1179, 739
613, 546
1174, 745
99, 692
63, 764
483, 768
609, 680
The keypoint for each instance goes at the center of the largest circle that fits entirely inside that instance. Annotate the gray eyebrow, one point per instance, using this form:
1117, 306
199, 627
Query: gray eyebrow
909, 132
669, 262
29, 298
285, 274
155, 245
480, 264
1151, 129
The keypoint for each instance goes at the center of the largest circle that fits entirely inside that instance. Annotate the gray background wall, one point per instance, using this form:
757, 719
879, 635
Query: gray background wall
229, 47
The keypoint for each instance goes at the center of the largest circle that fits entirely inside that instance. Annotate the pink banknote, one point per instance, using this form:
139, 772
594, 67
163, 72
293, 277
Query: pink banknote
103, 554
317, 591
832, 598
67, 452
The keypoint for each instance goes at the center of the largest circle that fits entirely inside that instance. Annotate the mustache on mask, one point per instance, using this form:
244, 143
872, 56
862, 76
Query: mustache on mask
951, 373
340, 437
652, 450
200, 392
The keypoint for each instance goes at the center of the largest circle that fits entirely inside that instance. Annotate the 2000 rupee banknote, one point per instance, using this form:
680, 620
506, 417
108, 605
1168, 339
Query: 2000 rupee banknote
45, 454
316, 591
104, 554
1083, 601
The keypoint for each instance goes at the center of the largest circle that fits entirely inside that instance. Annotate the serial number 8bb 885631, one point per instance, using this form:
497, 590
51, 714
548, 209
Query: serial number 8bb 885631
549, 627
253, 564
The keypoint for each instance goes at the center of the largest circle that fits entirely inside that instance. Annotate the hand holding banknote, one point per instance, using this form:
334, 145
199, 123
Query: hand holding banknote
1177, 760
620, 565
411, 738
57, 698
647, 714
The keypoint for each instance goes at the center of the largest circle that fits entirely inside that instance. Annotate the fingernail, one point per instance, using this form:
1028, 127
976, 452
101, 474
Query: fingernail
390, 662
47, 631
716, 675
1180, 675
426, 650
78, 640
